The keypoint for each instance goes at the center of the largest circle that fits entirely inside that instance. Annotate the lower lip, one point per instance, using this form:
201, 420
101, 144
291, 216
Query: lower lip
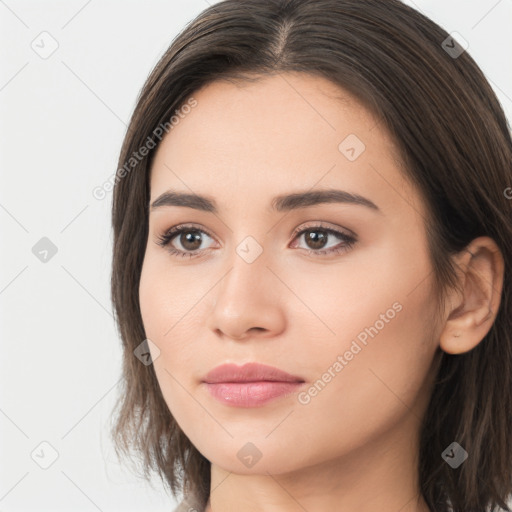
250, 394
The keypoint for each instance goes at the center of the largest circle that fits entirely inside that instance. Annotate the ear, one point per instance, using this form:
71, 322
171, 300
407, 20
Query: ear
471, 311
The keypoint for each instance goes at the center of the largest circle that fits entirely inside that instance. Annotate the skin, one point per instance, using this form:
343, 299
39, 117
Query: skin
354, 446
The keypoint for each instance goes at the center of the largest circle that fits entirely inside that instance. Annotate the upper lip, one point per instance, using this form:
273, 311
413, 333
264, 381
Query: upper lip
249, 372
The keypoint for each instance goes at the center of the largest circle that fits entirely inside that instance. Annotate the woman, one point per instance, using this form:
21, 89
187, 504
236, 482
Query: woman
311, 271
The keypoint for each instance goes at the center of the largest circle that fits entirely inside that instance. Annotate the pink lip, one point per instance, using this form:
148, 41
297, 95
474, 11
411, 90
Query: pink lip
250, 385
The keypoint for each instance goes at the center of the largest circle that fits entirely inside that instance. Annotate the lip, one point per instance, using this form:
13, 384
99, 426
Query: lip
250, 385
249, 372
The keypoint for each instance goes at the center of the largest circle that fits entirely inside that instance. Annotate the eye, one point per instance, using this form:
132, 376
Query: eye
188, 236
316, 236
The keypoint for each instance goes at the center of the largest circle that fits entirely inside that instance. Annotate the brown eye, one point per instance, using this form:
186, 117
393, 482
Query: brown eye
314, 240
188, 239
317, 237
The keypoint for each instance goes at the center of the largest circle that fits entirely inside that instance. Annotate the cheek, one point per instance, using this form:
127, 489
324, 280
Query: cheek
167, 296
368, 377
379, 292
367, 340
169, 310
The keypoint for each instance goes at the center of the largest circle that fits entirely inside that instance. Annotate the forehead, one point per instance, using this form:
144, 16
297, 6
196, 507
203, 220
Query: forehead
279, 133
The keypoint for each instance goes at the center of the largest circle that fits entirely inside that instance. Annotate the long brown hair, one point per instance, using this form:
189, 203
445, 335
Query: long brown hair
455, 146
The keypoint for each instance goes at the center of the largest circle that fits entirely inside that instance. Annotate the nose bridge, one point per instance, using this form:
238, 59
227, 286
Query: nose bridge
246, 297
249, 272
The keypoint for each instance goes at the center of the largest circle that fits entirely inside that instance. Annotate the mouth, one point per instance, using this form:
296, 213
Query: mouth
250, 385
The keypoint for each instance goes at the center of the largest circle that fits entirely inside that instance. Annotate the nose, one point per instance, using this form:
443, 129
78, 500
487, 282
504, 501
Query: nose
247, 301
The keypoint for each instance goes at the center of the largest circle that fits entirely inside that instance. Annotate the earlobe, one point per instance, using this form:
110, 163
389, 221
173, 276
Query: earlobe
473, 309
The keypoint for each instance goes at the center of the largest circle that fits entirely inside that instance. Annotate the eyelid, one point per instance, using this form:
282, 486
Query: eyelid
324, 225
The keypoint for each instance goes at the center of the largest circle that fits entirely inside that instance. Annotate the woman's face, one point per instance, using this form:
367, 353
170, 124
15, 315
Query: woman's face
351, 318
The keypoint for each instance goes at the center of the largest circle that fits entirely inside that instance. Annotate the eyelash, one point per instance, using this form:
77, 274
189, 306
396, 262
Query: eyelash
165, 239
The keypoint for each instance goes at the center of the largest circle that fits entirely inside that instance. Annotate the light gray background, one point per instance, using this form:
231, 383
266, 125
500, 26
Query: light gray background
62, 121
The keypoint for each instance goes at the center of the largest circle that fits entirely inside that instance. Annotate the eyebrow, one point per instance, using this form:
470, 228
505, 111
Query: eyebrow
282, 203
